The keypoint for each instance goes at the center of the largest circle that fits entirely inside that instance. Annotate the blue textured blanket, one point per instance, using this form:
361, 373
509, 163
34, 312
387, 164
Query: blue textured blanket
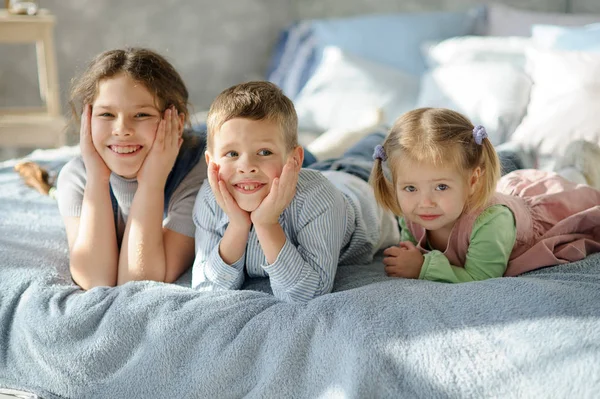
536, 335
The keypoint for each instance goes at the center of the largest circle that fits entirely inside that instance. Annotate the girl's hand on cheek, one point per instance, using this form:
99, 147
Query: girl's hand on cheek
94, 164
236, 215
164, 150
405, 260
283, 190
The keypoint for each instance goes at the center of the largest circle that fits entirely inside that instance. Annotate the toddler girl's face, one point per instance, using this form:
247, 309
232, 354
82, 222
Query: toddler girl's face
432, 196
124, 124
250, 154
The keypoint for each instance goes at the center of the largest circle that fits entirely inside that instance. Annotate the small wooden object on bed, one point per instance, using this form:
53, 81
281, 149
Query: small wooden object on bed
34, 127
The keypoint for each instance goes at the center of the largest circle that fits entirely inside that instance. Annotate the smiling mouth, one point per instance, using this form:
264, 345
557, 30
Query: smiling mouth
125, 149
248, 188
429, 217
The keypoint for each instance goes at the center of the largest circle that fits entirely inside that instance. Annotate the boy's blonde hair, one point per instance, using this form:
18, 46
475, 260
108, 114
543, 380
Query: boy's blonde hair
258, 100
436, 136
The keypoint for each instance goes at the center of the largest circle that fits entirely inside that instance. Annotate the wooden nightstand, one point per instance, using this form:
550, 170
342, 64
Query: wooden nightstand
34, 127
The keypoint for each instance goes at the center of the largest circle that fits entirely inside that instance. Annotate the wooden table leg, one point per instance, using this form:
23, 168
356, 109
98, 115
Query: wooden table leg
48, 73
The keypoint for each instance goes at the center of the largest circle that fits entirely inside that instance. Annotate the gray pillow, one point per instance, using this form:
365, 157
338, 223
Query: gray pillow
508, 21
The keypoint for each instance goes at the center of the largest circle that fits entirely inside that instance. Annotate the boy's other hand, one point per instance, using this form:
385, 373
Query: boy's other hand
281, 195
228, 204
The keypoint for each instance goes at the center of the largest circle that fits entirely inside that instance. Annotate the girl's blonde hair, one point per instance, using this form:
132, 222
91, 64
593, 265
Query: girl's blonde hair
142, 65
436, 136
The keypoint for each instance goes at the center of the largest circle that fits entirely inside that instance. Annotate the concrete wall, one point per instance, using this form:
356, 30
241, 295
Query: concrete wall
213, 44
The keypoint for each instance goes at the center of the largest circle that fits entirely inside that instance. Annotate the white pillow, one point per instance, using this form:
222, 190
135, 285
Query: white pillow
335, 142
464, 49
564, 104
481, 77
345, 91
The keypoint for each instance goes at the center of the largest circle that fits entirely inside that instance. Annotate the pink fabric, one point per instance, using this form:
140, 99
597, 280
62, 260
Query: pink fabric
557, 221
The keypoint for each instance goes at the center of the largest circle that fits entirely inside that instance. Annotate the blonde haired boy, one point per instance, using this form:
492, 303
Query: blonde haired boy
262, 214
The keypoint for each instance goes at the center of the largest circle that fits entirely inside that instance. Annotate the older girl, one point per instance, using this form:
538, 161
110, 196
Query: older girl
127, 200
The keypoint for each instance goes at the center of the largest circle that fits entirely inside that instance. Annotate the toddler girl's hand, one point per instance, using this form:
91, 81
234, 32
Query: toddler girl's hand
282, 192
164, 150
236, 215
95, 167
405, 260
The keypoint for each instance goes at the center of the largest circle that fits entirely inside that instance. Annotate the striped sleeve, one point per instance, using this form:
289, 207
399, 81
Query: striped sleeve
210, 272
306, 270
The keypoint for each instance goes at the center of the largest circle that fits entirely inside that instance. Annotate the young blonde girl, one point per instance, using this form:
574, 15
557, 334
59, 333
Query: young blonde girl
127, 200
462, 222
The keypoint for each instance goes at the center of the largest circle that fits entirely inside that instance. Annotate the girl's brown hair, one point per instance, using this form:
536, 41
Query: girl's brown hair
436, 136
142, 65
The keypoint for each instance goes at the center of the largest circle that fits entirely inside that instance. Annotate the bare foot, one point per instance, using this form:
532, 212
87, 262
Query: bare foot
34, 176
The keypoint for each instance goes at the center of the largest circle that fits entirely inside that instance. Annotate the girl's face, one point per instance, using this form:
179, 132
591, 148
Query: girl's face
124, 124
433, 196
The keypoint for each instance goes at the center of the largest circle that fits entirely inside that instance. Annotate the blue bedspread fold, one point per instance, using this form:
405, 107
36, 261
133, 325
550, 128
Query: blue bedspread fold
536, 335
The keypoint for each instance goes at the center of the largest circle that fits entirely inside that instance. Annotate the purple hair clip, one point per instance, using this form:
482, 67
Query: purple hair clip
379, 153
479, 133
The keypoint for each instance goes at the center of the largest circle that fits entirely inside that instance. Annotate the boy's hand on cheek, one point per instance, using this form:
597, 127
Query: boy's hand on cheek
281, 195
404, 260
236, 215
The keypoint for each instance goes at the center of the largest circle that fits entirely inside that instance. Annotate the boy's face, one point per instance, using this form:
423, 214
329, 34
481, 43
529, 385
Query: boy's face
250, 154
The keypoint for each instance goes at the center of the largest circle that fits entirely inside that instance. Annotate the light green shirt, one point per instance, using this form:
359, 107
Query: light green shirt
492, 241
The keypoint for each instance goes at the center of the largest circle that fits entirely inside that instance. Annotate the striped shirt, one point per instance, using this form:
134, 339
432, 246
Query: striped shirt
333, 219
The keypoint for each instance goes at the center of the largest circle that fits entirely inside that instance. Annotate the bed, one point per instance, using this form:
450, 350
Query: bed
536, 335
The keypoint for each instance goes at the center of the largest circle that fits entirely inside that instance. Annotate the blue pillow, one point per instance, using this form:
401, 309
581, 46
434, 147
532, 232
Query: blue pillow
583, 38
395, 39
292, 61
390, 39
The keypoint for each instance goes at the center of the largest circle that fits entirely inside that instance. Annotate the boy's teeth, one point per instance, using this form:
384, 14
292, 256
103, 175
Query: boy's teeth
249, 187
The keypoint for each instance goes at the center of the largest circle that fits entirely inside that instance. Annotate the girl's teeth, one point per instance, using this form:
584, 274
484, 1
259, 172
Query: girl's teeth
249, 187
125, 150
